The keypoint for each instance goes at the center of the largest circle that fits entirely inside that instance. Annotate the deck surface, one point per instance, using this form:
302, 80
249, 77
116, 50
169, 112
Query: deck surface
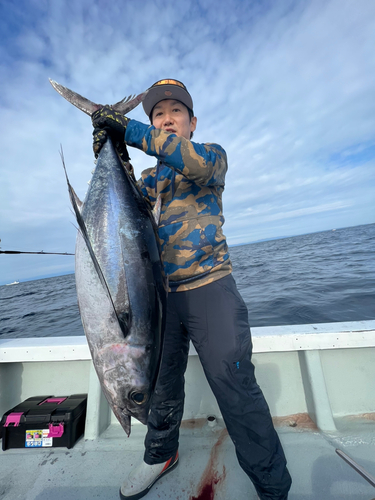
208, 469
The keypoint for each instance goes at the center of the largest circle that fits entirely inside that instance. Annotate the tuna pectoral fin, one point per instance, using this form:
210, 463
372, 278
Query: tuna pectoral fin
82, 228
73, 194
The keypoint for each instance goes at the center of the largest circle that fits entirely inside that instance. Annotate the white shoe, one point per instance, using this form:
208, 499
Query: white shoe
142, 478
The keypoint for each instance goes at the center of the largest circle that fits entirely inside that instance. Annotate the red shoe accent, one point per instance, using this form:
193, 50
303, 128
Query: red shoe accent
171, 460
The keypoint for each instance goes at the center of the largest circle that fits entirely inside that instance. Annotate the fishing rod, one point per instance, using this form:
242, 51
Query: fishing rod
361, 471
38, 253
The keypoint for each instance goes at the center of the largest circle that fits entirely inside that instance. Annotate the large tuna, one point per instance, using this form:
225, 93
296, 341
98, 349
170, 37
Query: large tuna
120, 281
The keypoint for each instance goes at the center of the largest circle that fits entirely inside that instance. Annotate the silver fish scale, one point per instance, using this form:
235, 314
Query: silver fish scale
123, 239
119, 277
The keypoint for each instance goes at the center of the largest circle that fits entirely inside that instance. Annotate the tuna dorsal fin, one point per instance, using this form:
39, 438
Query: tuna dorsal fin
124, 106
82, 227
157, 209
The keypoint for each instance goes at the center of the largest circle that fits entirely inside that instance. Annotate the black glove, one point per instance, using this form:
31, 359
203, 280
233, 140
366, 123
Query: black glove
99, 137
107, 121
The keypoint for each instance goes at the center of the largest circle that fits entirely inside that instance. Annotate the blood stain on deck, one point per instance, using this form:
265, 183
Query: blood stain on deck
211, 477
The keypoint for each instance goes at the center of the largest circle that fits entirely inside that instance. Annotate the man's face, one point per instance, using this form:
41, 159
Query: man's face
173, 117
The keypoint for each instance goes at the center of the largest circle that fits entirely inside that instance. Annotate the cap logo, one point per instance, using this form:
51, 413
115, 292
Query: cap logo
168, 93
170, 82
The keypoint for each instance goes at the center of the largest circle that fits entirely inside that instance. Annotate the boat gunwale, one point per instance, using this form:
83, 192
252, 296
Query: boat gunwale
318, 336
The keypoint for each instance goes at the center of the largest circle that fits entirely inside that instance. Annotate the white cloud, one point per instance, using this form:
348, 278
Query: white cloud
285, 87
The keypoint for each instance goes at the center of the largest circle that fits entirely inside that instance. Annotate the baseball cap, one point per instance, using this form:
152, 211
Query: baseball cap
166, 89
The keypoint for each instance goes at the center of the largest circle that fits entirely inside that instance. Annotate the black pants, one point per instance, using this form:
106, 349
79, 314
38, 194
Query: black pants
215, 318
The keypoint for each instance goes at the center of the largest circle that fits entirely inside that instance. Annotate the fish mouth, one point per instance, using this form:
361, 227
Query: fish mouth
143, 419
125, 420
141, 416
124, 416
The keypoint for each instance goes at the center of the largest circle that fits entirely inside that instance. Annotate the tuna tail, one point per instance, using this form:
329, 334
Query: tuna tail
124, 106
76, 203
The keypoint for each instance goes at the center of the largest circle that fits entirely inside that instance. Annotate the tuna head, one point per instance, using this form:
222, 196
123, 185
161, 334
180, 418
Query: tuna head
127, 374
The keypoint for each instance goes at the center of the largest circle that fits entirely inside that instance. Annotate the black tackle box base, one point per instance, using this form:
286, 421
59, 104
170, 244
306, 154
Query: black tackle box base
44, 421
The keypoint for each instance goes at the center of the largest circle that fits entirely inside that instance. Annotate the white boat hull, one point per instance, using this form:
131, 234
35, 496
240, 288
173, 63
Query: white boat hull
317, 379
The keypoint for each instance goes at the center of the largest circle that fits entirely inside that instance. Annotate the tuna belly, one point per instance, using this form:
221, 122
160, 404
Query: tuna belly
126, 368
97, 313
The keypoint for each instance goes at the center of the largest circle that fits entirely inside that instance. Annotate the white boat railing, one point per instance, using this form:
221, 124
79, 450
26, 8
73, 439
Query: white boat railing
324, 370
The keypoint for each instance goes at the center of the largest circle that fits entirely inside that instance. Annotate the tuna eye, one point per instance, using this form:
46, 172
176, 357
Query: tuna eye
138, 397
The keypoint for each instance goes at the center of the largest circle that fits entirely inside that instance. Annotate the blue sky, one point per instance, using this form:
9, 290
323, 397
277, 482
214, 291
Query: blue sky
287, 88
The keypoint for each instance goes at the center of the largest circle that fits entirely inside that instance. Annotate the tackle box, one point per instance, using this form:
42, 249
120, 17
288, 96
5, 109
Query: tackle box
44, 421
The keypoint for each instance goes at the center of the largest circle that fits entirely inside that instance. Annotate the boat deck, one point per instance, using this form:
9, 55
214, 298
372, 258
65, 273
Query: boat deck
320, 375
208, 469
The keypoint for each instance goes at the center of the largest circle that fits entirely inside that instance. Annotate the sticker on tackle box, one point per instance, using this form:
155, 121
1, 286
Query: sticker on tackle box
38, 438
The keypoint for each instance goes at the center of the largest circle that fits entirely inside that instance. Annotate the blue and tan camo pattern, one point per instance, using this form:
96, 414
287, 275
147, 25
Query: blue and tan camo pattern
190, 178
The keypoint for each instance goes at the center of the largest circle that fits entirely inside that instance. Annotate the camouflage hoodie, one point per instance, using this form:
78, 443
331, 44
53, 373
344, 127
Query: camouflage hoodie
190, 178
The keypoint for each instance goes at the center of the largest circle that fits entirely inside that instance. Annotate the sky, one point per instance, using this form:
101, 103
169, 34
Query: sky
286, 88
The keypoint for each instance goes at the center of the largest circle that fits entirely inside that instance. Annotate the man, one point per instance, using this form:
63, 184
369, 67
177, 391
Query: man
204, 304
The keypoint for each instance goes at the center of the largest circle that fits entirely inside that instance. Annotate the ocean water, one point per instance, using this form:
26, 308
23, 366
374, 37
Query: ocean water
316, 278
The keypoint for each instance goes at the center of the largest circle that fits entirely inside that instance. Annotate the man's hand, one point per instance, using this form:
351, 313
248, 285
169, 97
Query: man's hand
99, 137
106, 121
